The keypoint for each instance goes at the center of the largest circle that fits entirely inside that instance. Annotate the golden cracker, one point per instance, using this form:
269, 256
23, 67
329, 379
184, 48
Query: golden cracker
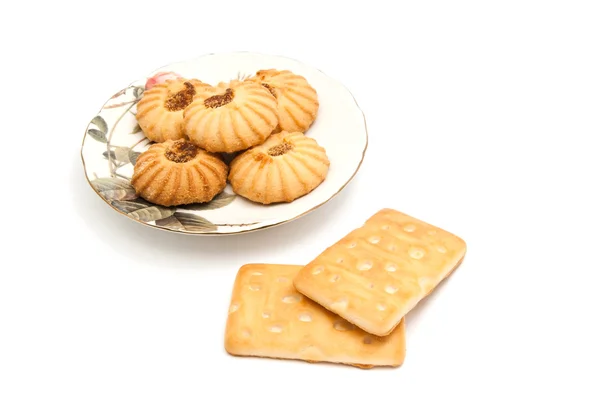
269, 318
377, 273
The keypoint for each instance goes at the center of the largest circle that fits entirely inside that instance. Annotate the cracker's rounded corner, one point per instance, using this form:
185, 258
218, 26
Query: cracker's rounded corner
386, 210
388, 326
381, 333
382, 213
299, 282
399, 359
248, 268
462, 249
461, 242
229, 347
232, 345
299, 277
464, 246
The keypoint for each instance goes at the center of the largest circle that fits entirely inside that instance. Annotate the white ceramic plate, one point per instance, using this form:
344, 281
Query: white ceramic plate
113, 141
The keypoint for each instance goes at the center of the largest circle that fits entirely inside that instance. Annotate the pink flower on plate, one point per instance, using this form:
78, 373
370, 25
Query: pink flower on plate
161, 77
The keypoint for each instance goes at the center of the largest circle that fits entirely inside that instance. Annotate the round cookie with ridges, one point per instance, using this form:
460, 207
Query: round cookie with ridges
287, 166
297, 101
231, 117
178, 172
160, 110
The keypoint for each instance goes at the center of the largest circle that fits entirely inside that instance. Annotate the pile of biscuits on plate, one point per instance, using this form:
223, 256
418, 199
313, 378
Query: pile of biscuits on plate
348, 305
259, 121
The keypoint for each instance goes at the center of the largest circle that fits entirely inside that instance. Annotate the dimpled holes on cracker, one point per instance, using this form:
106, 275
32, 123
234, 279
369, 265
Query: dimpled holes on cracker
382, 269
269, 318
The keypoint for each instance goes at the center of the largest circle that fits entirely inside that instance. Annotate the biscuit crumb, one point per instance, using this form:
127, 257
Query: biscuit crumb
181, 99
181, 151
219, 100
280, 149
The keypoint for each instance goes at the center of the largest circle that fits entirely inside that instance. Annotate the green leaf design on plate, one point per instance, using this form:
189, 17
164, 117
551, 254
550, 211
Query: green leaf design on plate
219, 201
99, 122
151, 213
138, 91
142, 210
136, 129
112, 154
107, 183
122, 196
122, 154
97, 135
119, 153
128, 206
133, 156
112, 188
170, 222
187, 222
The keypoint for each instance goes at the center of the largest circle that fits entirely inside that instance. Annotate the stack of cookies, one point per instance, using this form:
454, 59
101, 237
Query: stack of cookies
261, 121
349, 304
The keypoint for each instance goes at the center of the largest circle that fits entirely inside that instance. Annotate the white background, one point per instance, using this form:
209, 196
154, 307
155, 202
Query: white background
483, 117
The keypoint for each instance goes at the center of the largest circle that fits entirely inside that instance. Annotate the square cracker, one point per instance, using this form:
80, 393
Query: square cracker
377, 273
269, 318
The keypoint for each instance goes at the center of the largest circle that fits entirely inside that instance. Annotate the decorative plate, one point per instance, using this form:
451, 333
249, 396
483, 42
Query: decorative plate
113, 141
